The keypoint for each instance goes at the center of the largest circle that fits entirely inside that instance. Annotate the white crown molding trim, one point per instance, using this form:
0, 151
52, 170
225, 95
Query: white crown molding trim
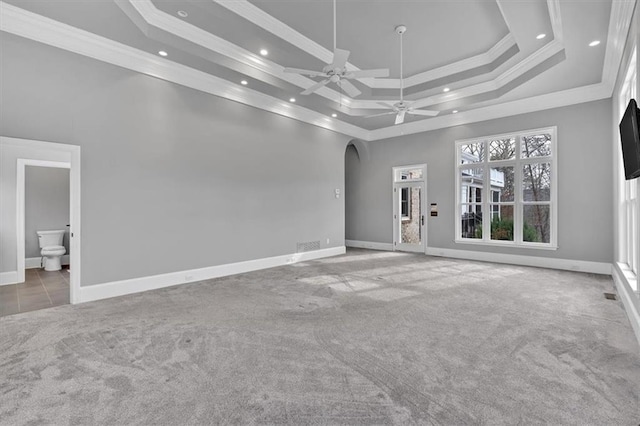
369, 245
34, 262
510, 74
8, 278
568, 97
267, 22
556, 20
539, 56
137, 285
193, 34
623, 278
535, 261
35, 27
186, 31
619, 24
278, 28
48, 31
454, 68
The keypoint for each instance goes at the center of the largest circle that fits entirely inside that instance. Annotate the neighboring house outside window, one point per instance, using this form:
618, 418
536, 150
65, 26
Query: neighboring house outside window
512, 177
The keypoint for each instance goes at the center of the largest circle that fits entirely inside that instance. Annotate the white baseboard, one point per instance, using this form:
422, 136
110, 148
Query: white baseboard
7, 278
34, 262
369, 245
541, 262
623, 279
137, 285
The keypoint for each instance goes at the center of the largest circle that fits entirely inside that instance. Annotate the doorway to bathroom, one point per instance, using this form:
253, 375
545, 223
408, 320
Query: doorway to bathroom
46, 238
41, 187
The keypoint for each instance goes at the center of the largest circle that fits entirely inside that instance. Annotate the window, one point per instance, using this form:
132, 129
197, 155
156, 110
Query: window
628, 205
405, 204
517, 173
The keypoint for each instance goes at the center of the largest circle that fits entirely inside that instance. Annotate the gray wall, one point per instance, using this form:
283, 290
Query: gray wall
584, 181
172, 179
46, 205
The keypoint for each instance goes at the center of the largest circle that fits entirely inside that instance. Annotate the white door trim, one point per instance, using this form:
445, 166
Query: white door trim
73, 165
398, 183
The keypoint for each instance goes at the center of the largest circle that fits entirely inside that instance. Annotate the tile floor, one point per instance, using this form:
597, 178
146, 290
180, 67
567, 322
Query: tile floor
40, 290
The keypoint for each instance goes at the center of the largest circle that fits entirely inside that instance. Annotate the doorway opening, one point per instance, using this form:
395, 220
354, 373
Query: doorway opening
45, 178
409, 195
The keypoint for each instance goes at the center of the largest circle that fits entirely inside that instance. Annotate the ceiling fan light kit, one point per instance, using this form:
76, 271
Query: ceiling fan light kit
402, 108
336, 71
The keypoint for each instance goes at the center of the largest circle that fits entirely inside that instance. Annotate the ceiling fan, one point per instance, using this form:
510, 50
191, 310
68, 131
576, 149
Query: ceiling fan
336, 71
402, 108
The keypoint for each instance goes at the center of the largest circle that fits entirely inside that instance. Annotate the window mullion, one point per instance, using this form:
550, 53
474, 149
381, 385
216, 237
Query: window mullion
518, 198
486, 191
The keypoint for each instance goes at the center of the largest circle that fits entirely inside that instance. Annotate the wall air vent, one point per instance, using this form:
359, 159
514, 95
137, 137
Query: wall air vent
308, 246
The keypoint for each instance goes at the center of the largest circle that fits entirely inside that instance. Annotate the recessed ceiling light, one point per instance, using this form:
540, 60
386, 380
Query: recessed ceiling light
264, 52
334, 115
244, 82
594, 43
292, 99
455, 111
446, 89
162, 53
182, 14
541, 36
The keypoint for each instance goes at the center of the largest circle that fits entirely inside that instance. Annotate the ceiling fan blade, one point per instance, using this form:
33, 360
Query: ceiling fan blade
304, 72
400, 117
423, 112
349, 88
315, 87
380, 115
381, 72
340, 58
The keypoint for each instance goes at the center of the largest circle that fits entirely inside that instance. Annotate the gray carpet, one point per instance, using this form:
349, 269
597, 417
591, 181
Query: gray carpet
365, 338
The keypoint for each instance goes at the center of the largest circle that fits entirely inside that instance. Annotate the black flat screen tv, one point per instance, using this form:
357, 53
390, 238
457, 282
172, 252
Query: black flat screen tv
630, 137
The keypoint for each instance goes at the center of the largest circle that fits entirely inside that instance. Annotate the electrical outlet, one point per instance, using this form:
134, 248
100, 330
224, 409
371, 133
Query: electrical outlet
328, 241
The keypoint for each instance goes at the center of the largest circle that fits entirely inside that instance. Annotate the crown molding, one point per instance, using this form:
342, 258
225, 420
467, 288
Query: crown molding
556, 21
568, 97
20, 22
186, 31
268, 23
619, 24
278, 28
528, 63
53, 33
463, 65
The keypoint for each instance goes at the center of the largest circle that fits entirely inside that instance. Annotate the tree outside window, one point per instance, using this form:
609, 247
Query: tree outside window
516, 170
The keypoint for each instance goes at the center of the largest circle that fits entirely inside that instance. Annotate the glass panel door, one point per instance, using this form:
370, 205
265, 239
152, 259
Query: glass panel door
409, 217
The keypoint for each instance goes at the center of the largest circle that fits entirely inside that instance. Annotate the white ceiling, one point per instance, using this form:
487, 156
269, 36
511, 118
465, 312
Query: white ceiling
485, 51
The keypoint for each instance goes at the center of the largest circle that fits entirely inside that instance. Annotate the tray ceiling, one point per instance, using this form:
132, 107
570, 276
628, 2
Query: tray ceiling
479, 58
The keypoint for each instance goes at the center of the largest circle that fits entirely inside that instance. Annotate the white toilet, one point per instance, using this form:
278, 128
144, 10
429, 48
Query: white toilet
52, 248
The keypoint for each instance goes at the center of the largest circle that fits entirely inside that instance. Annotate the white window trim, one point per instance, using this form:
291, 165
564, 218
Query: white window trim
518, 203
398, 169
627, 196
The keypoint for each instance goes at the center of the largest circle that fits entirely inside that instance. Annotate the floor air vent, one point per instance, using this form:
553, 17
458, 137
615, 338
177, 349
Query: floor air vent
308, 246
610, 296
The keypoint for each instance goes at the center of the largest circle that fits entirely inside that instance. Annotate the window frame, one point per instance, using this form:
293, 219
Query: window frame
405, 199
518, 203
628, 192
